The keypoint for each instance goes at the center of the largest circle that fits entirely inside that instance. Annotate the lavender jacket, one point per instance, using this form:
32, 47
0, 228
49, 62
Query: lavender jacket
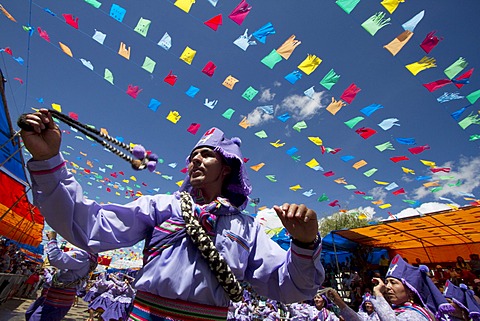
179, 271
73, 265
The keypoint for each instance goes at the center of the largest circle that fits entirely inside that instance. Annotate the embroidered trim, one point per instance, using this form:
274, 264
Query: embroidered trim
48, 171
237, 239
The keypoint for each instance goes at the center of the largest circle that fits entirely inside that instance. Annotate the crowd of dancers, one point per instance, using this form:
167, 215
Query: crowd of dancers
109, 297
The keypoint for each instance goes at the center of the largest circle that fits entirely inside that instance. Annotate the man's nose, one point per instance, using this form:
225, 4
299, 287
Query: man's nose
197, 158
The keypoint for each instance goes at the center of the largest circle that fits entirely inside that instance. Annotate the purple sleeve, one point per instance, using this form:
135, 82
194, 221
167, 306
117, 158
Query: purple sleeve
348, 314
64, 260
91, 226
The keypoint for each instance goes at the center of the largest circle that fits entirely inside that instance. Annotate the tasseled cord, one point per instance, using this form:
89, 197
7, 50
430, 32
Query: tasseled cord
143, 158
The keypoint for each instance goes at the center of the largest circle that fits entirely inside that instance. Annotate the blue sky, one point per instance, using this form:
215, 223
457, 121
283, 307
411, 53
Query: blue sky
324, 29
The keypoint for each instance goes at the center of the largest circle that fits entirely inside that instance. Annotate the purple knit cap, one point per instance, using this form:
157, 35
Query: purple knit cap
417, 280
238, 185
463, 296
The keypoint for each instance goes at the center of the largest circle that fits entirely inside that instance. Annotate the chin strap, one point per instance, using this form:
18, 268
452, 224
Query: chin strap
142, 160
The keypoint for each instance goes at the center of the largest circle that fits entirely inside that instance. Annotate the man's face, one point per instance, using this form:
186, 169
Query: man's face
206, 168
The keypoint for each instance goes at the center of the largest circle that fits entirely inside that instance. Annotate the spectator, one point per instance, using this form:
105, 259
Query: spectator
440, 275
30, 284
475, 264
461, 264
383, 263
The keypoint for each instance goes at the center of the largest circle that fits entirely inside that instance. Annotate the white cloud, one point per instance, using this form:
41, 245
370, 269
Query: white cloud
467, 171
425, 208
258, 117
301, 106
266, 95
378, 193
368, 211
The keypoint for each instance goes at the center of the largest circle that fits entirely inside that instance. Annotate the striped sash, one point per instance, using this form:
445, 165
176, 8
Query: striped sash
150, 307
409, 306
60, 297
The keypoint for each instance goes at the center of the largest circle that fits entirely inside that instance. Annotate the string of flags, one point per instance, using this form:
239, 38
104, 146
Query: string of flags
305, 68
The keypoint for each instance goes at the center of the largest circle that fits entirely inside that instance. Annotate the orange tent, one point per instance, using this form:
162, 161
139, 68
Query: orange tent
437, 237
19, 219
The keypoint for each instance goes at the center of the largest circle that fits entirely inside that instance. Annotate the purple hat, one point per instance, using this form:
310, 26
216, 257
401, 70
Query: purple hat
367, 297
273, 303
327, 303
417, 280
238, 185
463, 296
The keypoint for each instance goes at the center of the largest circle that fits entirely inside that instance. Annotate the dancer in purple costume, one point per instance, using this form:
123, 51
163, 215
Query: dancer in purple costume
301, 311
74, 267
175, 271
123, 294
323, 306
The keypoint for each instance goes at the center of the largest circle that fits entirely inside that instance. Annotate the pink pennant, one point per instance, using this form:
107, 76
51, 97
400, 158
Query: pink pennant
209, 69
73, 115
43, 34
328, 174
133, 90
430, 42
193, 128
440, 169
432, 86
349, 94
419, 149
334, 203
240, 12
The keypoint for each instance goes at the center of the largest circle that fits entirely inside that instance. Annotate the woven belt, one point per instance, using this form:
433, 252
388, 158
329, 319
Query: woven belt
148, 306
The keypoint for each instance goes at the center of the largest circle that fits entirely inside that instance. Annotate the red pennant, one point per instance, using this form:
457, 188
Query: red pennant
214, 22
399, 159
71, 20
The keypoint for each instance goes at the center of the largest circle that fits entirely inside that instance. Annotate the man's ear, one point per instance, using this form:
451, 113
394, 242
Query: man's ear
226, 170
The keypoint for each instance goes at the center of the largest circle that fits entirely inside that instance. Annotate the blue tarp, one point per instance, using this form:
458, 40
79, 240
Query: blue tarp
15, 164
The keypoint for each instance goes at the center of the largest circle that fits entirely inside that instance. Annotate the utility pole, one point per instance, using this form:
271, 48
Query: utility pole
255, 201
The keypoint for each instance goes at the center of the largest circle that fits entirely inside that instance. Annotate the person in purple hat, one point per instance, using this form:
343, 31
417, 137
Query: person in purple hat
198, 243
463, 300
323, 305
74, 268
408, 293
366, 311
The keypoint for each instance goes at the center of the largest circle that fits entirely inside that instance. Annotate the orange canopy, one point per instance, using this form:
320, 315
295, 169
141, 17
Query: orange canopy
19, 219
433, 238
